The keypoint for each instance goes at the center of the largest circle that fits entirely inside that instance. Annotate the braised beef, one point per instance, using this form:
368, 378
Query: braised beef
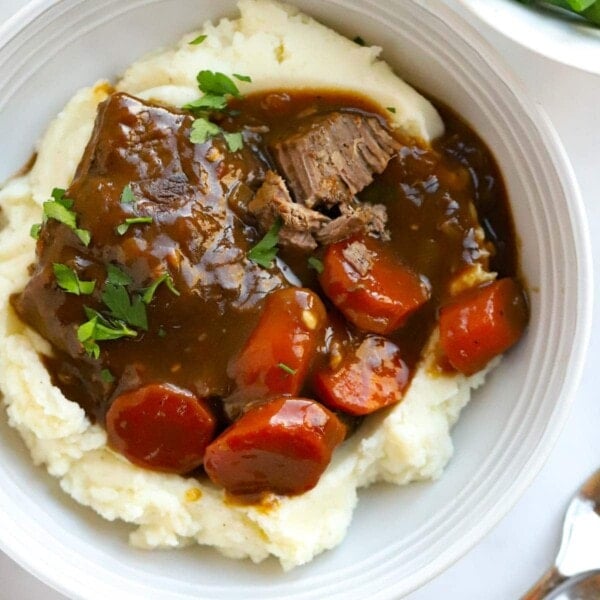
299, 223
355, 218
330, 158
303, 228
359, 257
193, 236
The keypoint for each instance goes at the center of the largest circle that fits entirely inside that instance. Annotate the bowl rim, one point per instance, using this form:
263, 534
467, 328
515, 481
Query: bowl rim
551, 50
581, 336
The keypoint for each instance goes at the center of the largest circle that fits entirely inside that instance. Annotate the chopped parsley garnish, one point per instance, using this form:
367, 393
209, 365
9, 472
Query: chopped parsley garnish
162, 333
59, 209
124, 311
391, 109
202, 130
207, 102
316, 264
217, 83
117, 277
55, 209
98, 329
197, 41
86, 334
287, 369
68, 280
265, 251
84, 235
123, 307
127, 195
34, 232
149, 292
59, 195
124, 227
235, 141
106, 376
216, 87
358, 40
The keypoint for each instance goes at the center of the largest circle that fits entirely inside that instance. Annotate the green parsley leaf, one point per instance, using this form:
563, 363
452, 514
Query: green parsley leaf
69, 281
129, 310
266, 250
287, 369
207, 102
149, 292
34, 232
358, 40
391, 109
124, 227
84, 235
54, 209
197, 41
117, 277
59, 196
235, 141
90, 313
316, 264
162, 333
243, 77
91, 347
106, 376
127, 195
218, 84
85, 334
115, 331
86, 330
59, 209
202, 130
58, 193
98, 329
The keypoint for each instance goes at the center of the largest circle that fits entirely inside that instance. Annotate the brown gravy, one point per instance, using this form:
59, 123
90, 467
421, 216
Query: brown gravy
192, 337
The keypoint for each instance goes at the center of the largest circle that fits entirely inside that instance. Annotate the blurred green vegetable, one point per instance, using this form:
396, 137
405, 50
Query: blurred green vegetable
588, 9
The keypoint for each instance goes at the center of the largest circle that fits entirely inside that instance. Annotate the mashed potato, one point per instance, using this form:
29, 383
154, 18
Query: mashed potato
279, 48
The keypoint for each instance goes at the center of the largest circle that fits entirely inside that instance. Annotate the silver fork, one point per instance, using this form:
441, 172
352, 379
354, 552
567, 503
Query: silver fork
579, 552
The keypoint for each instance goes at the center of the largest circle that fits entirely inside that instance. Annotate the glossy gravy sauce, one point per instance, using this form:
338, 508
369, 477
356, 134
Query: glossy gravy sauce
198, 232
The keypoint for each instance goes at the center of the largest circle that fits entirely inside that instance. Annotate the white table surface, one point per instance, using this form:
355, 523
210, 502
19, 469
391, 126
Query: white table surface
502, 566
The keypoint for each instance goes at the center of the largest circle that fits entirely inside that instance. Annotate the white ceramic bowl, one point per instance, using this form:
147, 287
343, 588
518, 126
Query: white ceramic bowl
556, 34
400, 537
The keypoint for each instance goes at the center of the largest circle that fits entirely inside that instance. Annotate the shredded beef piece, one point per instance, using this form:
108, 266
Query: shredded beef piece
326, 162
300, 240
373, 216
304, 228
339, 229
273, 200
355, 218
299, 223
332, 157
359, 257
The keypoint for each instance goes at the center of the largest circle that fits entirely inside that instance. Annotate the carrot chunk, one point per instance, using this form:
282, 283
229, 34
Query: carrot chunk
282, 446
372, 377
160, 427
370, 286
278, 353
482, 324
